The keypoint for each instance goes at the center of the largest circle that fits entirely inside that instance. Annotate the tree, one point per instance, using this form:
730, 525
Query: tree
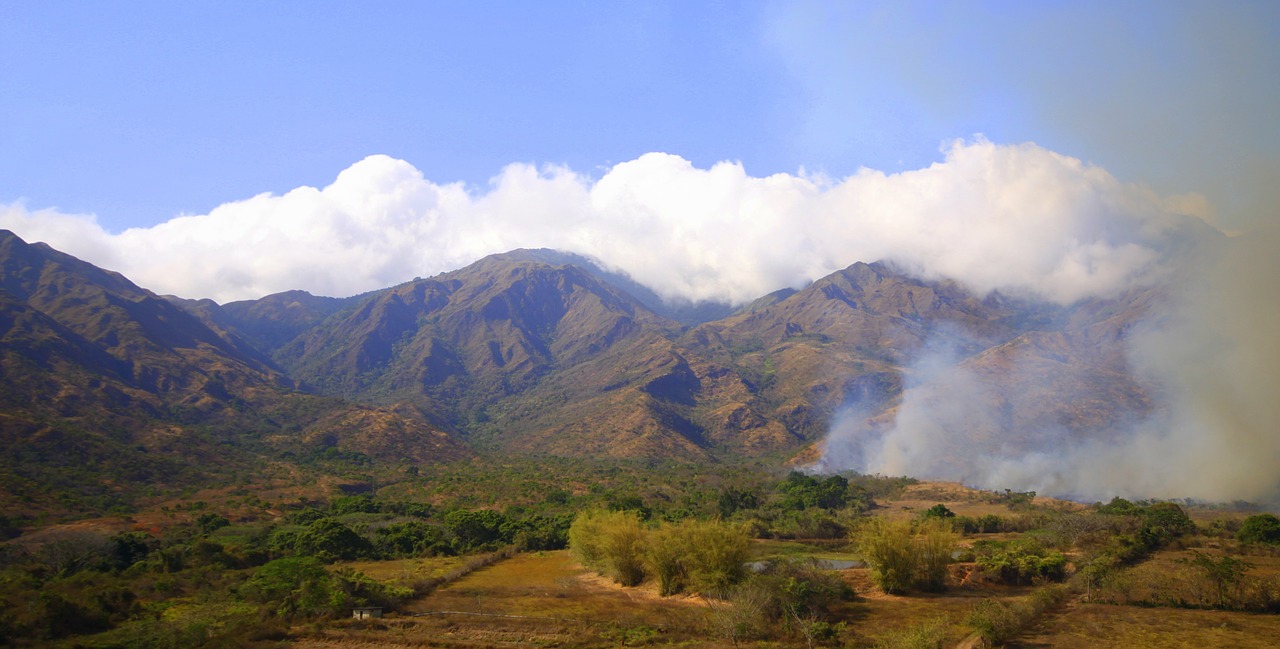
733, 500
295, 587
330, 540
128, 548
410, 538
1260, 528
209, 521
353, 504
1224, 572
938, 511
1166, 521
475, 529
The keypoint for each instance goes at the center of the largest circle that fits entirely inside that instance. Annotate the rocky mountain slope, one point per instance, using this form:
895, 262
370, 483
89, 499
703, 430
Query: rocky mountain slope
106, 388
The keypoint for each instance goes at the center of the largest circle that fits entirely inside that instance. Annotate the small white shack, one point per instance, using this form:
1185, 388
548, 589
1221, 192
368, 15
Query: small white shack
366, 612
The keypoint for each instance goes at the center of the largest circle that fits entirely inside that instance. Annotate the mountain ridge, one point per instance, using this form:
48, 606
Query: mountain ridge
528, 352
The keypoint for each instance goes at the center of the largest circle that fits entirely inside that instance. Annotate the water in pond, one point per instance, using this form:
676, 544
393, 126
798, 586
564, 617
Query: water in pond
841, 564
825, 564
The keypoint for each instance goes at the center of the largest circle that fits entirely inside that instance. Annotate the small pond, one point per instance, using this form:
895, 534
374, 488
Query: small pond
825, 564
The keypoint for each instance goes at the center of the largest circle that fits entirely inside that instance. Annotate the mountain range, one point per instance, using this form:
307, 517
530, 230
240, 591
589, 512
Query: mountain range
106, 386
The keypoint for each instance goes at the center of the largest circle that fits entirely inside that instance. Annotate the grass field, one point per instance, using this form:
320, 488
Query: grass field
405, 572
1100, 626
541, 599
547, 599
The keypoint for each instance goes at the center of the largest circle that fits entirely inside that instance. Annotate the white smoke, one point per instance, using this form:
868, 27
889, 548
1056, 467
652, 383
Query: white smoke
1209, 357
1013, 217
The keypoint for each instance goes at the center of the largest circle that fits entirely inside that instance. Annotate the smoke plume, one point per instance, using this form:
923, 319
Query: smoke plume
1196, 413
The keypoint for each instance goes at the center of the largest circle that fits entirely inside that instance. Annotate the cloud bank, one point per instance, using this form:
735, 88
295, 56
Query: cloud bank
1018, 218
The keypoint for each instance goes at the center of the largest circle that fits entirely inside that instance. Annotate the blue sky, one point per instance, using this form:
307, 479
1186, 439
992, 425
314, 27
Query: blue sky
140, 111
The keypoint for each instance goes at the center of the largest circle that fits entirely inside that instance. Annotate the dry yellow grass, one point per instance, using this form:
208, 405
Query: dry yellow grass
404, 572
1100, 626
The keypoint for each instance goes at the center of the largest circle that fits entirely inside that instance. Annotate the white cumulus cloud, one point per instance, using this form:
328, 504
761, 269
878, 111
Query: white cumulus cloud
1014, 217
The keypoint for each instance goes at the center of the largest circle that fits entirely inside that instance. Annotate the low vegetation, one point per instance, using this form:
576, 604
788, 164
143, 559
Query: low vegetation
741, 558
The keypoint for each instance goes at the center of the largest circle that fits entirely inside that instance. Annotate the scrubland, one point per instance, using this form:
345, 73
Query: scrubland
620, 558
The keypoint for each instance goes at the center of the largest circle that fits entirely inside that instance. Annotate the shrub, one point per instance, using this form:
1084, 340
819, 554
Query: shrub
938, 511
295, 587
329, 540
664, 554
886, 547
611, 543
1019, 562
997, 621
902, 557
717, 554
929, 634
934, 542
1260, 528
796, 594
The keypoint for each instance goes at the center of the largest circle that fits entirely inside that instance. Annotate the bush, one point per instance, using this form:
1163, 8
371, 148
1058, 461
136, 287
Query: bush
1019, 562
938, 511
1261, 529
611, 543
706, 556
717, 555
934, 542
997, 621
297, 587
902, 556
797, 595
585, 539
664, 554
929, 634
476, 530
886, 547
329, 540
